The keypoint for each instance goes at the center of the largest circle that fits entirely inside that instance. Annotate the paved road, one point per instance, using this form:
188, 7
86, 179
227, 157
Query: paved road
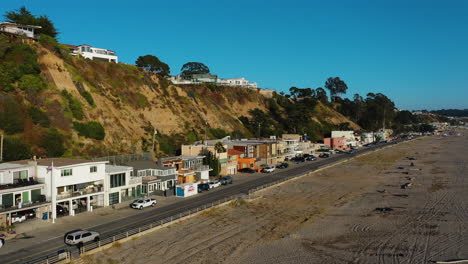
150, 215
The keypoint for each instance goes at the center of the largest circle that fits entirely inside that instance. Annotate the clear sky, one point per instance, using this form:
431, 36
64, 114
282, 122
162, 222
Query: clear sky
414, 51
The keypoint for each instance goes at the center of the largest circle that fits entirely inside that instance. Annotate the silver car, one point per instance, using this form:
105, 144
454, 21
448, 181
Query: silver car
80, 237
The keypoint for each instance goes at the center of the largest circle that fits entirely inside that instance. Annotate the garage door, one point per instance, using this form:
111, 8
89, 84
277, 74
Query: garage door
113, 198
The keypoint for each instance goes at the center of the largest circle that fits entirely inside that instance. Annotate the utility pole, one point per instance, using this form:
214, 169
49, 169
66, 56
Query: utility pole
258, 134
1, 148
154, 138
206, 127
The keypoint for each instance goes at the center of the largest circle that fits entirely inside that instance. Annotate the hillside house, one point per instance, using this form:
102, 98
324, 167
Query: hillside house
237, 82
93, 53
18, 29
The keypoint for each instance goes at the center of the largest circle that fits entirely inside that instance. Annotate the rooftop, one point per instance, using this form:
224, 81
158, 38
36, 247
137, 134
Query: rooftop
146, 164
8, 166
19, 25
115, 168
58, 162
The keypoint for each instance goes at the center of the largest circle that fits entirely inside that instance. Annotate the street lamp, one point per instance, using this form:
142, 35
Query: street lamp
154, 138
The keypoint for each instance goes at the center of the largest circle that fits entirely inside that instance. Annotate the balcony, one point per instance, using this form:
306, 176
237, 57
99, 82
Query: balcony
23, 207
203, 168
86, 191
19, 183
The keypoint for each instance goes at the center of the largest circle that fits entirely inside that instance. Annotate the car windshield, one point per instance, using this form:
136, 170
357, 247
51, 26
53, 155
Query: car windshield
70, 237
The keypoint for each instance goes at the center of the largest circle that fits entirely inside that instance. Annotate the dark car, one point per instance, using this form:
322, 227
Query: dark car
324, 155
247, 170
225, 180
351, 151
203, 187
299, 159
310, 158
283, 165
31, 213
60, 210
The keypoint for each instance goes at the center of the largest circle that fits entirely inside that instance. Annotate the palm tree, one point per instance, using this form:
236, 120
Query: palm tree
219, 147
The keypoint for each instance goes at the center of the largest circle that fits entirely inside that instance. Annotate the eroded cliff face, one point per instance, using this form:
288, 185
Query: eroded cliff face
130, 104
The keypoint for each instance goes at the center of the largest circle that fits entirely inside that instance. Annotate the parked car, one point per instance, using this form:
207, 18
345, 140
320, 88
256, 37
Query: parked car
60, 210
282, 165
268, 169
299, 159
17, 218
225, 180
80, 237
247, 170
351, 151
30, 213
141, 203
214, 184
203, 187
324, 155
310, 158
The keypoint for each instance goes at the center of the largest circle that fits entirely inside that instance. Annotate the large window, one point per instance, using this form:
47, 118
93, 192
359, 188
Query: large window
66, 172
117, 180
20, 175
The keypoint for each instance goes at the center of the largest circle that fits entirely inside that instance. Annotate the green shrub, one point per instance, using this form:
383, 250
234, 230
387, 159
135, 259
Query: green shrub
74, 105
31, 83
141, 100
53, 143
38, 116
87, 96
12, 115
15, 148
90, 130
218, 132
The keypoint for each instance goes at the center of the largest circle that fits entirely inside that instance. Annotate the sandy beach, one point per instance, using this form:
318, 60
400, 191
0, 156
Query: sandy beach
354, 212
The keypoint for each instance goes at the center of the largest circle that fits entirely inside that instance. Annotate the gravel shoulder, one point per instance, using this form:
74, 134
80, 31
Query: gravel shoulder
330, 216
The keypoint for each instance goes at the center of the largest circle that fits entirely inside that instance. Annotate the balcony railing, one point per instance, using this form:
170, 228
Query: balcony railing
135, 180
23, 206
202, 168
19, 183
65, 195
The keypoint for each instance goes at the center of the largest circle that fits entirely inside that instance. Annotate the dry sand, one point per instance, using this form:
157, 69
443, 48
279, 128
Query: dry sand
330, 217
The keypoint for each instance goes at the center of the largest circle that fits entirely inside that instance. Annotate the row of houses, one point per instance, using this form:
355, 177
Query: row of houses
47, 185
346, 140
212, 78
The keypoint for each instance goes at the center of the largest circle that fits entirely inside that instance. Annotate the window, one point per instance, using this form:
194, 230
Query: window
117, 180
20, 175
93, 169
141, 173
66, 172
86, 235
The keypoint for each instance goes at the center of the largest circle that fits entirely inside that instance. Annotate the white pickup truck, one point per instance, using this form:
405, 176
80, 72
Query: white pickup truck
141, 203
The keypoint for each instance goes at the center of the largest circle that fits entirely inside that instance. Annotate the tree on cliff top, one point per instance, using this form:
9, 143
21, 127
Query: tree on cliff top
25, 17
336, 86
190, 68
153, 64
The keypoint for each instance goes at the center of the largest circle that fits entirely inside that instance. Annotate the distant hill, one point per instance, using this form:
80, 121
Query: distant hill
452, 112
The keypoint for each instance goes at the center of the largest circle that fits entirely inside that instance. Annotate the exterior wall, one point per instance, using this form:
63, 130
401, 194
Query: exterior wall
130, 183
96, 53
18, 30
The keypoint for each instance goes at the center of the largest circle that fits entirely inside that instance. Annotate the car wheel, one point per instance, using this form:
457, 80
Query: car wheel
141, 207
152, 205
96, 239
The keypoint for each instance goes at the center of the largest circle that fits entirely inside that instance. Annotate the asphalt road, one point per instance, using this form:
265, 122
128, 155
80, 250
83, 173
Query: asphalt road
151, 215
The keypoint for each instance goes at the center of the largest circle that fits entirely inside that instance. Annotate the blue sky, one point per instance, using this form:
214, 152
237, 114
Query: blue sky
415, 52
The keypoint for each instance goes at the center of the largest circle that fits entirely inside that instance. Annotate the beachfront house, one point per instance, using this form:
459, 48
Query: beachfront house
121, 185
